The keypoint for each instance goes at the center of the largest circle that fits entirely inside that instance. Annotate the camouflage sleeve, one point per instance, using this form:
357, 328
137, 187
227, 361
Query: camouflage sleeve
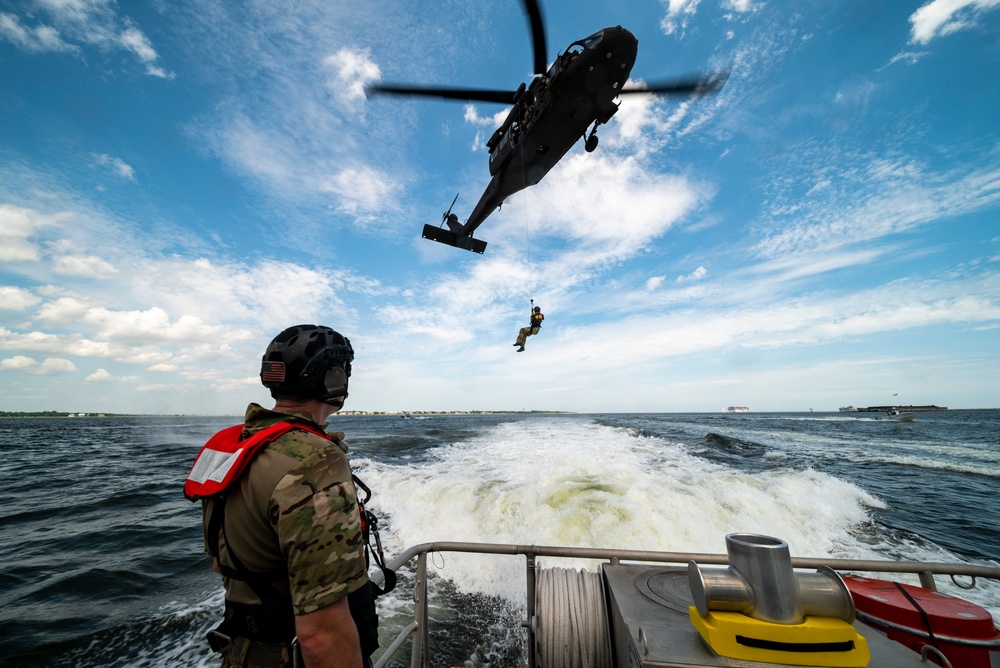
314, 509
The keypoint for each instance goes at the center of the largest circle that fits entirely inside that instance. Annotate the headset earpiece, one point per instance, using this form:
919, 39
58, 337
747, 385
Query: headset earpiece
335, 382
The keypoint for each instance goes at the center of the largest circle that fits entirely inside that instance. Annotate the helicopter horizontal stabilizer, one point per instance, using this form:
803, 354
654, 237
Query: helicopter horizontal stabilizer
448, 237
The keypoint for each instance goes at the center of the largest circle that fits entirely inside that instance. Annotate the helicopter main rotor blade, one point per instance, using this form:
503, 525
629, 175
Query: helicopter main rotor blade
701, 84
538, 50
472, 94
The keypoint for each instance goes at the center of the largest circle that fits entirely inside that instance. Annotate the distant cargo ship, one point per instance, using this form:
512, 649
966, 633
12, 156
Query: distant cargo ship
737, 409
848, 409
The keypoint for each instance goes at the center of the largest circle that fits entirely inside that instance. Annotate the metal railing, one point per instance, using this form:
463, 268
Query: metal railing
419, 631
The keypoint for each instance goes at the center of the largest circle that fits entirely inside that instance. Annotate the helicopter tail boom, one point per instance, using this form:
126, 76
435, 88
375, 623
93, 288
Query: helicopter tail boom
449, 238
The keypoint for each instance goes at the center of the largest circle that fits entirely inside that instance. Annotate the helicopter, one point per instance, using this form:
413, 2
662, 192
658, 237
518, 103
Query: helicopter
563, 103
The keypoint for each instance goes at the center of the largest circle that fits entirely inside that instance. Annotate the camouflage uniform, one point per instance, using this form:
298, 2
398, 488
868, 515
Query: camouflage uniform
294, 510
531, 330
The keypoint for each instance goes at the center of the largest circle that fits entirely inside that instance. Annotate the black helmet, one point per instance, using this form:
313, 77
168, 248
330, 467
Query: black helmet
309, 361
538, 309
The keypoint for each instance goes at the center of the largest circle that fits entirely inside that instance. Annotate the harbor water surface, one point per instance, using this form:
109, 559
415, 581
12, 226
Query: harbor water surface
101, 559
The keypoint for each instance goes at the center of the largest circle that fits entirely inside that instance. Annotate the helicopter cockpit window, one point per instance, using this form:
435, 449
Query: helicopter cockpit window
592, 41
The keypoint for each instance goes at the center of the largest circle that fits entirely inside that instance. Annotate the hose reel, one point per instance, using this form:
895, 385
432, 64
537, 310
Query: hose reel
571, 621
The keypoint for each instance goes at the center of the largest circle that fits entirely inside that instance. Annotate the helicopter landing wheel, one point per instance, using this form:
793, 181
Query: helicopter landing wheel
591, 144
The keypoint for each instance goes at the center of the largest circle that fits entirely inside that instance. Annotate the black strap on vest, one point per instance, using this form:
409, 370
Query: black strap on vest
369, 527
273, 621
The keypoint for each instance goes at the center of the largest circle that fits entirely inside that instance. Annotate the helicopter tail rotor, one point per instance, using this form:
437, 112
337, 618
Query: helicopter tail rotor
450, 218
452, 236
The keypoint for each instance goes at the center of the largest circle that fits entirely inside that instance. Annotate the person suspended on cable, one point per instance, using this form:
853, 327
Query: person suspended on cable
534, 326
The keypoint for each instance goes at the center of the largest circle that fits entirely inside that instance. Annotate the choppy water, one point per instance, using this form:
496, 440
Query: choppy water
101, 561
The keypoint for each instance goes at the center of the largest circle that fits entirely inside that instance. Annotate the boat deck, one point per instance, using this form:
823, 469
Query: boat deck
657, 630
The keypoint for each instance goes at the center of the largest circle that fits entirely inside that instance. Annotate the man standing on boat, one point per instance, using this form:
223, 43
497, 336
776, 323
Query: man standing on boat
284, 527
534, 326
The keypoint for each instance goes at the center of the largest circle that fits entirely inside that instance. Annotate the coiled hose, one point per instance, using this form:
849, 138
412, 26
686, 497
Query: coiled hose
571, 626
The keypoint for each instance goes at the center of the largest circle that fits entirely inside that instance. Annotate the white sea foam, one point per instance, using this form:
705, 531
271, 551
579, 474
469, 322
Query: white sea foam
573, 482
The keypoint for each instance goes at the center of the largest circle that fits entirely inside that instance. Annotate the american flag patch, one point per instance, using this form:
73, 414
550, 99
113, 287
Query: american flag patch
274, 371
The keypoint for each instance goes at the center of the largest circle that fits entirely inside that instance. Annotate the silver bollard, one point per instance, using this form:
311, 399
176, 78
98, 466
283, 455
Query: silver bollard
761, 583
824, 594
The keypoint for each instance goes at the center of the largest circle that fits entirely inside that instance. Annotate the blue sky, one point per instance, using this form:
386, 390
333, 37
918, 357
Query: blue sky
180, 181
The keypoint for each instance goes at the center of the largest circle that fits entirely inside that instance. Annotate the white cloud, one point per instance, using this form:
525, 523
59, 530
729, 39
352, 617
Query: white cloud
821, 184
695, 275
645, 124
351, 72
289, 165
135, 41
655, 282
17, 227
45, 342
791, 266
69, 24
888, 197
910, 57
152, 325
166, 388
260, 292
64, 310
37, 38
361, 189
17, 299
122, 168
583, 197
192, 293
18, 362
646, 340
944, 17
99, 376
18, 250
679, 12
48, 367
485, 125
235, 384
83, 266
162, 367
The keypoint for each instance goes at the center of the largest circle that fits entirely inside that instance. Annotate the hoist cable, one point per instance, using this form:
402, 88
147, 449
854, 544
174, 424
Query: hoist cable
524, 209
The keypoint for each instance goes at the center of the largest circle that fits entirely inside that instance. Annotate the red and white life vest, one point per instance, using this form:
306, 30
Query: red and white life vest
225, 457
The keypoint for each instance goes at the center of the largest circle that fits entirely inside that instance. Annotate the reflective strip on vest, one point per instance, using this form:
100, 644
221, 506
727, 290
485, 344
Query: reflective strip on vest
213, 465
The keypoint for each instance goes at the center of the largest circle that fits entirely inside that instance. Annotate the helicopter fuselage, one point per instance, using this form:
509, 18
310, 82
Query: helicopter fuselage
549, 114
552, 113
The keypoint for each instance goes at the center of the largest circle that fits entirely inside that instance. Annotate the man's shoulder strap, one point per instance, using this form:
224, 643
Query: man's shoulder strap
225, 457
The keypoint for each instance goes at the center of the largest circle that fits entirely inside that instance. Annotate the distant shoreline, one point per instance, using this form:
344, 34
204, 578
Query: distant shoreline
61, 414
404, 414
